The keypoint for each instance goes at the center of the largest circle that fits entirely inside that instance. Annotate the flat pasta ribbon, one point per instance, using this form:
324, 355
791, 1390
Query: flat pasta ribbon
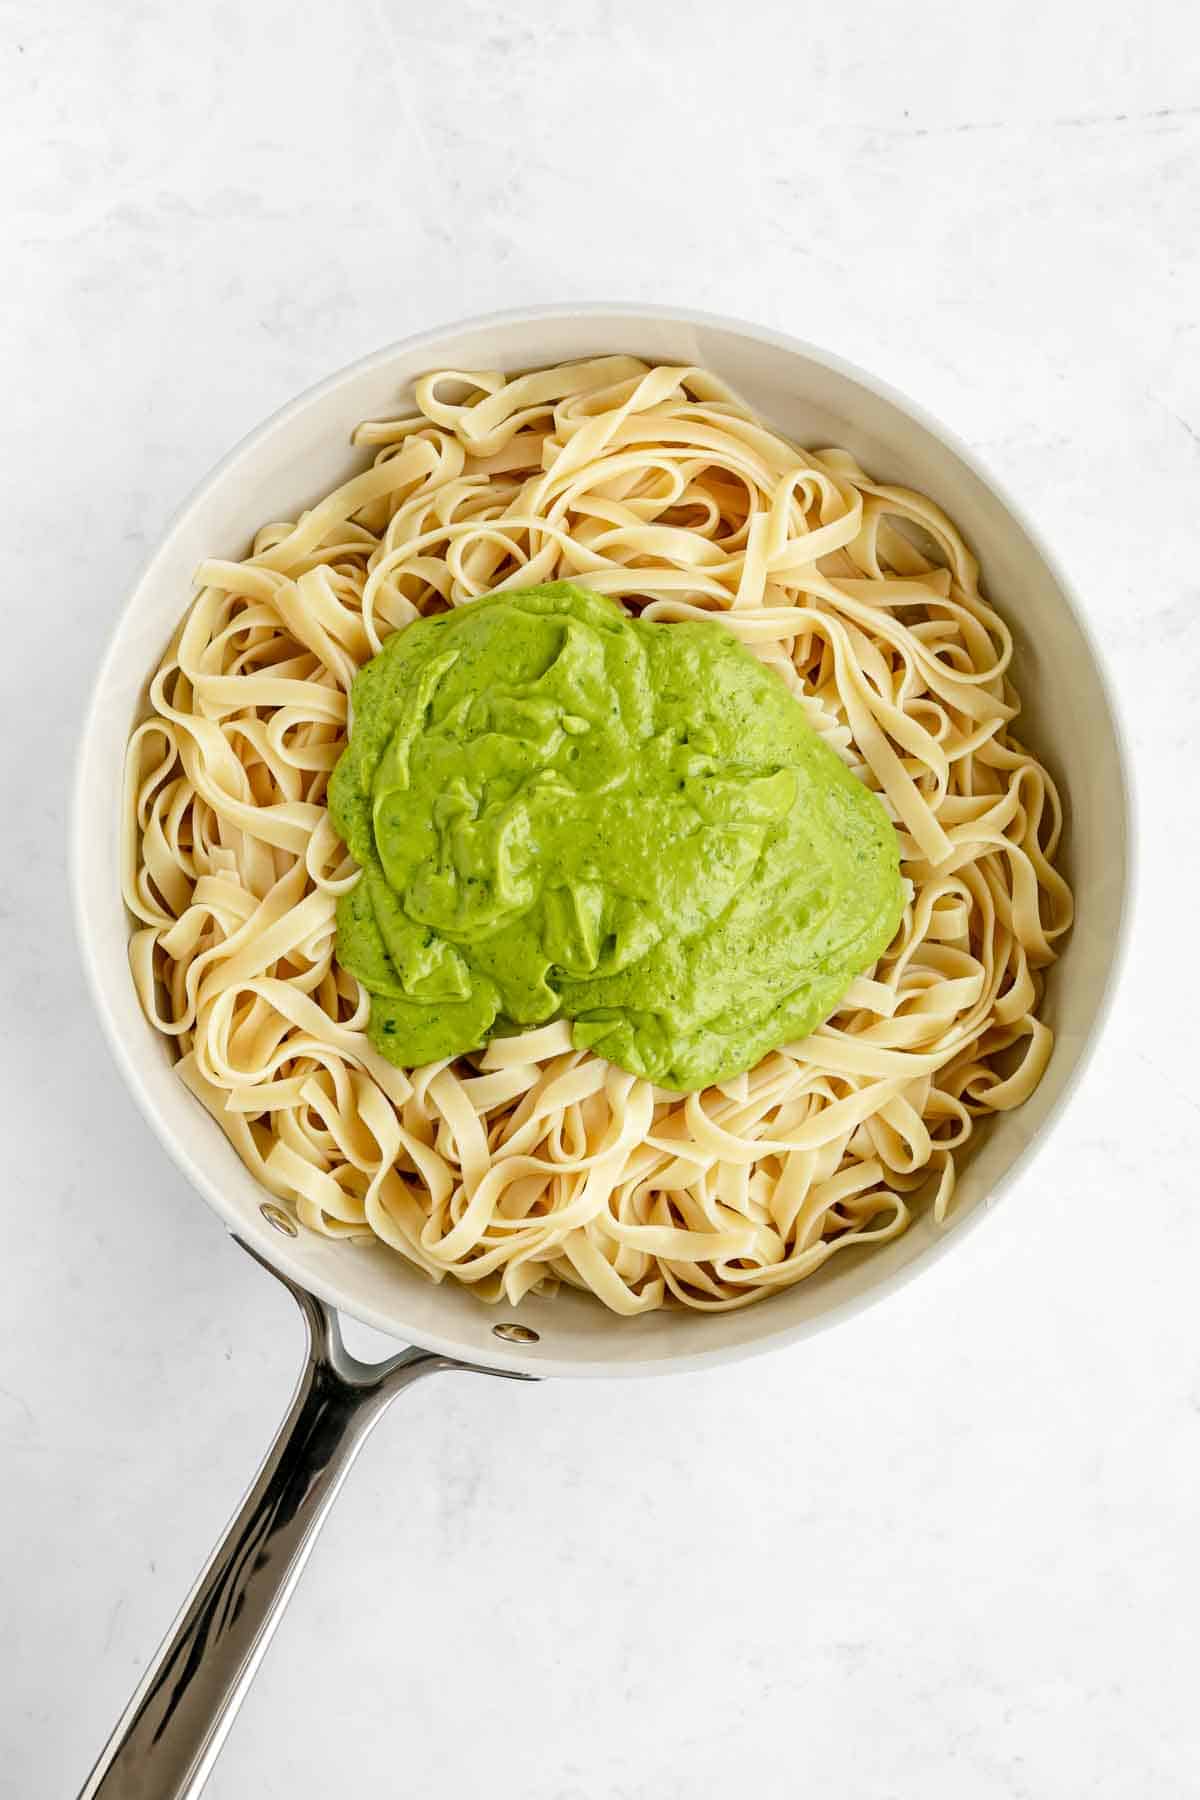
531, 1165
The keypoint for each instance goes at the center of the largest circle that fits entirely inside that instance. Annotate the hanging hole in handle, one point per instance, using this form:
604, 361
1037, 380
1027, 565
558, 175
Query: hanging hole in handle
517, 1334
275, 1215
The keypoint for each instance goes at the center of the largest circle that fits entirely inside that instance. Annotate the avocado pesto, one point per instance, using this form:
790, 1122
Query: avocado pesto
564, 811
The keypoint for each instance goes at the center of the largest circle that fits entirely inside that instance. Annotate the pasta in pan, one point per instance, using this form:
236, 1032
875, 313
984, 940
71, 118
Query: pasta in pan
531, 1163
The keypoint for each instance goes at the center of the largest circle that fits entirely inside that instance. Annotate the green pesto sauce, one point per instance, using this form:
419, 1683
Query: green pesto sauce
562, 811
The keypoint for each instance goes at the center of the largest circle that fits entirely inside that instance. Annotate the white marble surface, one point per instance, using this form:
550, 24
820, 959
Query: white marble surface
947, 1551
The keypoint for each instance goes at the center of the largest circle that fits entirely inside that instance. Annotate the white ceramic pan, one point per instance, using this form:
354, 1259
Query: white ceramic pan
171, 1732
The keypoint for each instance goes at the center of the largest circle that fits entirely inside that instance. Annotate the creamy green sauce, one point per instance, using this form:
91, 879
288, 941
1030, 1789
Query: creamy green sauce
562, 811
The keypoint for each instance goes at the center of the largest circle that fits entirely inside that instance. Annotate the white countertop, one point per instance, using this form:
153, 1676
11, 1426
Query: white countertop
947, 1551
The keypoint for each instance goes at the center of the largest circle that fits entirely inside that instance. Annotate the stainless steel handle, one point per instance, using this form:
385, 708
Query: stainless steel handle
170, 1734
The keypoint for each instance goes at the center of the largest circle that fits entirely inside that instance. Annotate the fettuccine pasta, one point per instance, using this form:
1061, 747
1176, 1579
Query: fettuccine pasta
531, 1164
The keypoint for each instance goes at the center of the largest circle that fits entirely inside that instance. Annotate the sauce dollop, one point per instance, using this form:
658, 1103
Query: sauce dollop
564, 811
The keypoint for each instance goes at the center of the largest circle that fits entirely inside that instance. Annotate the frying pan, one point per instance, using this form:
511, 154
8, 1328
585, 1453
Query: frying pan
166, 1742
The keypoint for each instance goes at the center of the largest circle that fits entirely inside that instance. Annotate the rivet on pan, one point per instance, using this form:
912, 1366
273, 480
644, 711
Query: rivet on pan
516, 1334
275, 1215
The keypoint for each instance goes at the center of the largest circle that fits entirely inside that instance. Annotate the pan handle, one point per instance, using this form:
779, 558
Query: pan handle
168, 1738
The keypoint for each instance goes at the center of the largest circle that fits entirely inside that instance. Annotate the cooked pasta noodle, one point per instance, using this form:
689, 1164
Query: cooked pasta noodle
529, 1163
